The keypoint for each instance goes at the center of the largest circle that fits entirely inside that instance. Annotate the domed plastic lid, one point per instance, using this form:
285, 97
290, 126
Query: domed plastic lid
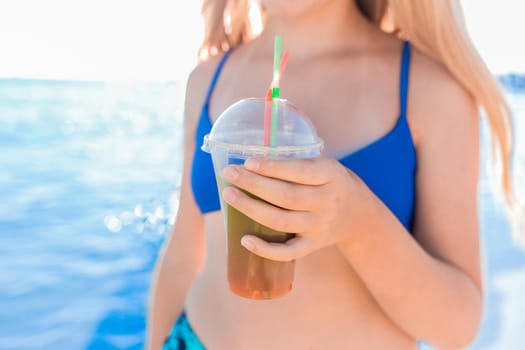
240, 131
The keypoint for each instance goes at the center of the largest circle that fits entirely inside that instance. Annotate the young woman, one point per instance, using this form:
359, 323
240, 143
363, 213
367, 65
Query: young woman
387, 247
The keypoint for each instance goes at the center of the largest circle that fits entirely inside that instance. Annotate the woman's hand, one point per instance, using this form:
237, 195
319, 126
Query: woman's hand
318, 199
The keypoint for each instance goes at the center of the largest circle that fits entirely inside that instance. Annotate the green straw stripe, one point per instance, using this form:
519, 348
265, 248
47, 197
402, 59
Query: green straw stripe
277, 54
276, 92
273, 127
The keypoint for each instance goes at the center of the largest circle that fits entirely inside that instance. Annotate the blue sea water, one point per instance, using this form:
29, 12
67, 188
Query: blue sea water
89, 176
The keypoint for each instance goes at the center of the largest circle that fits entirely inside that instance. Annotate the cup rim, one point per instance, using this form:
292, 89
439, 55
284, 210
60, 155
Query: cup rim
249, 151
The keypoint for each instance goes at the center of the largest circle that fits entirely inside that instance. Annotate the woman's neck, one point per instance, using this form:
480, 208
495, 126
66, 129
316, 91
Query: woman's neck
332, 27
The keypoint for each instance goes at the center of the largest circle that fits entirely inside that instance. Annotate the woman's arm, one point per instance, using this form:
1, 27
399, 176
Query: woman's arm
182, 255
430, 286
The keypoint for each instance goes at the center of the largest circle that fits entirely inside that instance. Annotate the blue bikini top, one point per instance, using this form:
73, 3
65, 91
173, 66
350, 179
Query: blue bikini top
387, 165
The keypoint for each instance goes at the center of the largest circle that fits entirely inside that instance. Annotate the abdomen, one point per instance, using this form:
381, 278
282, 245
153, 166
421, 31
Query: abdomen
328, 308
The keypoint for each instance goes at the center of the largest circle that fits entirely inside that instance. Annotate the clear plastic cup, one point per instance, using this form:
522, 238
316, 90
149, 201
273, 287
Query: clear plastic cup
238, 134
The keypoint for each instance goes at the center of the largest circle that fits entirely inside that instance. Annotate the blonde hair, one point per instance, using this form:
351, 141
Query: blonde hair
435, 27
226, 24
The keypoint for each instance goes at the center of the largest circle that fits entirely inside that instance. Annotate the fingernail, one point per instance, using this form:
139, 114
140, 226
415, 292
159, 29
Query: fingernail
252, 164
230, 173
229, 195
247, 243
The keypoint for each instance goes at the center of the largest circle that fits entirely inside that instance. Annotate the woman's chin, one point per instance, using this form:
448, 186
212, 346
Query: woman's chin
292, 8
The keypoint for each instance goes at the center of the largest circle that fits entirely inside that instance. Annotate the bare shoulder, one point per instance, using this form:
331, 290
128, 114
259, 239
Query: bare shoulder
197, 86
437, 100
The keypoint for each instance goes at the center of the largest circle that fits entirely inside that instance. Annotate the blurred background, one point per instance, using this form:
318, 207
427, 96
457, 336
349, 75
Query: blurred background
91, 96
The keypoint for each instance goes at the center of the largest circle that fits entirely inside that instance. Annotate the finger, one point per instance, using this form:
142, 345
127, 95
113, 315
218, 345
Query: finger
314, 171
282, 194
292, 249
266, 214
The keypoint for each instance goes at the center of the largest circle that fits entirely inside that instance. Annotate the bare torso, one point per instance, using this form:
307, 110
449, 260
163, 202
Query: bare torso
329, 307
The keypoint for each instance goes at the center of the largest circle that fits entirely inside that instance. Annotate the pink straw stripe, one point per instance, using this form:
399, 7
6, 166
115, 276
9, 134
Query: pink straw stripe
267, 117
268, 101
284, 61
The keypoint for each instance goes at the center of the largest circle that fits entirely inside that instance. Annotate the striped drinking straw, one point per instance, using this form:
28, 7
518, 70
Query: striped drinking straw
273, 93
